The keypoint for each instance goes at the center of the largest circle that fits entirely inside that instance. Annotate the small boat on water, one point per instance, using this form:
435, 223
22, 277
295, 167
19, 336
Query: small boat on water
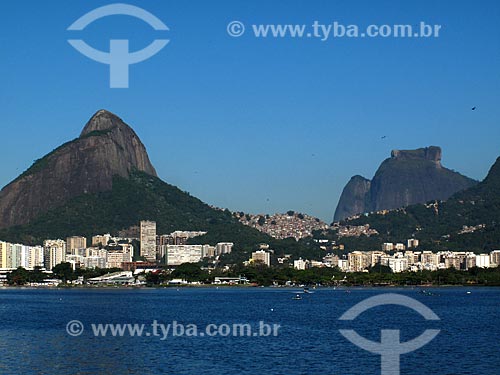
426, 293
297, 297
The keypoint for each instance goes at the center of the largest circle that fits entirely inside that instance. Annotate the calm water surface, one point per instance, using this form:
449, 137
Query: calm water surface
33, 338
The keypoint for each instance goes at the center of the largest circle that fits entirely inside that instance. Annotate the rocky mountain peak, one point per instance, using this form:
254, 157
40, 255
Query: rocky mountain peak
431, 153
107, 147
407, 177
101, 121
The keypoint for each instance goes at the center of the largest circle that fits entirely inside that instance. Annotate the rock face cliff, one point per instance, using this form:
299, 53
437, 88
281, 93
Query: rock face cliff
353, 198
107, 147
407, 177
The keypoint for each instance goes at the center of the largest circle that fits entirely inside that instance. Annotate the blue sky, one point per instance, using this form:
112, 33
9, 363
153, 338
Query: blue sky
259, 125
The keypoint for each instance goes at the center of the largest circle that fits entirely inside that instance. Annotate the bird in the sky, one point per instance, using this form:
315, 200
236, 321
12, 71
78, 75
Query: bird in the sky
384, 137
473, 108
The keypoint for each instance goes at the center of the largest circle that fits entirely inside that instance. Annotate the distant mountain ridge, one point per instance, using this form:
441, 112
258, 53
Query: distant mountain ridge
407, 177
467, 221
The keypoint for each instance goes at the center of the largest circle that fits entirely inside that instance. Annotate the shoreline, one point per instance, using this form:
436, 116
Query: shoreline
177, 287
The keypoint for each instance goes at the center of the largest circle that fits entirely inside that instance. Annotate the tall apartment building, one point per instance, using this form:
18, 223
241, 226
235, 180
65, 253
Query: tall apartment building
262, 256
75, 242
358, 261
18, 256
162, 241
101, 239
483, 260
428, 257
4, 250
387, 246
412, 242
209, 251
224, 248
148, 240
375, 257
32, 256
54, 252
495, 258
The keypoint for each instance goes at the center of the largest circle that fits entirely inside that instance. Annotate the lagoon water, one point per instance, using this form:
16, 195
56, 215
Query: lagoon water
33, 337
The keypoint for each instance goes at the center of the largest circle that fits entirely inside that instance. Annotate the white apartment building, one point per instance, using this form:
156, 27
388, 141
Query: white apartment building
54, 253
483, 260
300, 264
495, 258
343, 265
224, 248
358, 261
179, 254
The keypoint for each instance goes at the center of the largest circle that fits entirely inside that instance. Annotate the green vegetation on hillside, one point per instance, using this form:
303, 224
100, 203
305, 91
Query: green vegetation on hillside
144, 197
